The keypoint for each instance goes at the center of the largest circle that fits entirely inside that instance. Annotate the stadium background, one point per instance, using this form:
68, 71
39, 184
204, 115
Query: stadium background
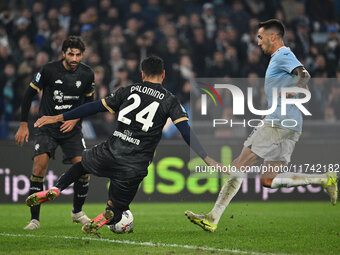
195, 39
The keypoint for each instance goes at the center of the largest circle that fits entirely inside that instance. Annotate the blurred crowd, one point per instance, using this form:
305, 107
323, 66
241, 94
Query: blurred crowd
195, 38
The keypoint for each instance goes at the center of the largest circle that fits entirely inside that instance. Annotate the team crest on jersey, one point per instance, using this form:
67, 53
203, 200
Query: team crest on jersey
37, 78
58, 96
37, 146
78, 84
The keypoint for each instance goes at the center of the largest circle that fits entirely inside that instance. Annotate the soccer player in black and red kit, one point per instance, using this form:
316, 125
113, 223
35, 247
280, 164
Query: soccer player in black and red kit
143, 110
65, 84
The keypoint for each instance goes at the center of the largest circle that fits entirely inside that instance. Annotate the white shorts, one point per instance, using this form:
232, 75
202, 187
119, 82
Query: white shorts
272, 143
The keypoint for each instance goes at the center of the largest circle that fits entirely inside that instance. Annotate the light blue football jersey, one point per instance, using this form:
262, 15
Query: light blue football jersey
278, 75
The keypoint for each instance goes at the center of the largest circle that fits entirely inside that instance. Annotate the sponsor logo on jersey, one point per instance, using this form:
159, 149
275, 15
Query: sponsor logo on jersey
63, 107
37, 78
58, 96
58, 82
78, 84
127, 132
71, 98
126, 138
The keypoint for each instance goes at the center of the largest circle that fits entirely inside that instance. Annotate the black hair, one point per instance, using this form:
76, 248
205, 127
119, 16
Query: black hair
73, 42
273, 23
122, 69
152, 66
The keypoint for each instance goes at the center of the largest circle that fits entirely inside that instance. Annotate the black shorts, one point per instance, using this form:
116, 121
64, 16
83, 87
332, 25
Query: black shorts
121, 193
124, 176
100, 161
71, 146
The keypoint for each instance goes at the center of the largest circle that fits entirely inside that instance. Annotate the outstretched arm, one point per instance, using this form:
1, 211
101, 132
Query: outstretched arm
194, 143
68, 125
79, 112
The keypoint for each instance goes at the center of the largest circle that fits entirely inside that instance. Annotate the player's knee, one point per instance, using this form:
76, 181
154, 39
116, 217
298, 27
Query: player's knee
236, 163
266, 182
253, 160
39, 170
76, 160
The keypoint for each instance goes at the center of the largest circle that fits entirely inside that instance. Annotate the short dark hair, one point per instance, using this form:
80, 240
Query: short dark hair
73, 42
273, 23
152, 66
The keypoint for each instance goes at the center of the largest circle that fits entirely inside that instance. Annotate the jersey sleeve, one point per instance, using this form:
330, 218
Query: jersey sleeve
113, 101
289, 62
177, 112
90, 86
37, 82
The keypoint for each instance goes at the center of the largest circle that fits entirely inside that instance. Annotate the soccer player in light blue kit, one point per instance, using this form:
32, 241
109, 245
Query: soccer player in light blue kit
272, 142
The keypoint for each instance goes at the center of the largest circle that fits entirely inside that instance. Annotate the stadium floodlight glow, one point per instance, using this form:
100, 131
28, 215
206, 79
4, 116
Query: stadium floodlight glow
238, 100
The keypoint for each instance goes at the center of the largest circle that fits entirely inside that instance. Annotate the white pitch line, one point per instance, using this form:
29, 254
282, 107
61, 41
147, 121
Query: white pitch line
192, 247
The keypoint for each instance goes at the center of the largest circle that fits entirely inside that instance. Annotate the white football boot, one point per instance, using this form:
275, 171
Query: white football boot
80, 217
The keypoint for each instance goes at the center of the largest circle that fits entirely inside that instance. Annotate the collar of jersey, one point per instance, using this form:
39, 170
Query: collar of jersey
278, 50
153, 83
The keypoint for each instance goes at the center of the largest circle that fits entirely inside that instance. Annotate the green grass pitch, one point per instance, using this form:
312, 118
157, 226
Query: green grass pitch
162, 228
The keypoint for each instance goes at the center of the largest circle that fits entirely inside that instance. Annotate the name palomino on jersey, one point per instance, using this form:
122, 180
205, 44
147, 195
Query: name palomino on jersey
148, 91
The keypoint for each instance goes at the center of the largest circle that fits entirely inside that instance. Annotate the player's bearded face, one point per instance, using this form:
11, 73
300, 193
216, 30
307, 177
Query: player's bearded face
72, 58
266, 46
263, 41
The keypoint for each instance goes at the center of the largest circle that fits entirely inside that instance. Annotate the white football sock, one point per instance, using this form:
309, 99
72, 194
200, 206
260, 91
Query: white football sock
297, 179
228, 191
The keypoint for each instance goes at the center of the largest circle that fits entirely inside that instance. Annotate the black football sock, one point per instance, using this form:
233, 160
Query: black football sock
117, 215
81, 187
36, 185
70, 176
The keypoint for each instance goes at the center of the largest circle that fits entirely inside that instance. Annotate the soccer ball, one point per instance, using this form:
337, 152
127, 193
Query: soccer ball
125, 225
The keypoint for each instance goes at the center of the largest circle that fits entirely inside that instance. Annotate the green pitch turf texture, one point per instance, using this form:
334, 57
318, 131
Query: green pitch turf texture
162, 228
